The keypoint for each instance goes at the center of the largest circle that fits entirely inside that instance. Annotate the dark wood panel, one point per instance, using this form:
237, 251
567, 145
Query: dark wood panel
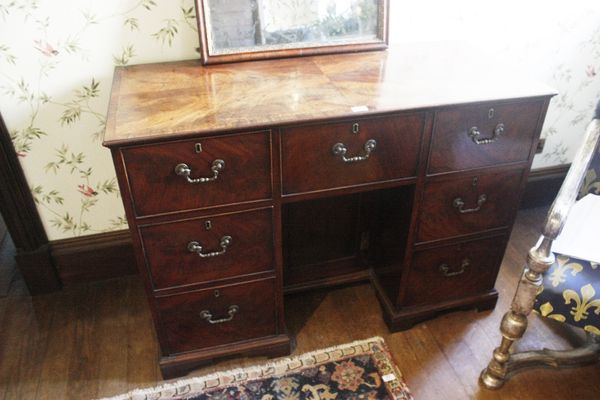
23, 221
389, 215
38, 270
543, 185
3, 230
170, 263
452, 149
454, 272
441, 217
186, 330
156, 188
94, 257
320, 230
339, 236
308, 162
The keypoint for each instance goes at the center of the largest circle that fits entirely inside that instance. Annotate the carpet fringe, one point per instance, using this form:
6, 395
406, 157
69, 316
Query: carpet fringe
256, 368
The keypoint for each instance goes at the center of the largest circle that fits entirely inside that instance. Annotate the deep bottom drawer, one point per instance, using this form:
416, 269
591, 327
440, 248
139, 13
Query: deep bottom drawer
455, 271
218, 315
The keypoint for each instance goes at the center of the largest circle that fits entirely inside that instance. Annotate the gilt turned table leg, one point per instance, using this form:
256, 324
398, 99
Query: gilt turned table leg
514, 323
539, 259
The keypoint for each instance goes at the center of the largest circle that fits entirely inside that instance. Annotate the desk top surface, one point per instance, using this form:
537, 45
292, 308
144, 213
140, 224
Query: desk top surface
152, 101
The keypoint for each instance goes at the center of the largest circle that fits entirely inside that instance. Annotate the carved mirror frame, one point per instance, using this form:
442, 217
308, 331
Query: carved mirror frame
207, 56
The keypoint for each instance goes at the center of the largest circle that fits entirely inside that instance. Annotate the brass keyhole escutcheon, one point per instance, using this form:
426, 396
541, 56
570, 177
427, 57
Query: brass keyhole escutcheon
208, 225
475, 181
491, 113
217, 293
198, 147
355, 128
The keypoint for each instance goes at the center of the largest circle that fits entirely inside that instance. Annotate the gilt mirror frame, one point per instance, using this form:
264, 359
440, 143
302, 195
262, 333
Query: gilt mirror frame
210, 55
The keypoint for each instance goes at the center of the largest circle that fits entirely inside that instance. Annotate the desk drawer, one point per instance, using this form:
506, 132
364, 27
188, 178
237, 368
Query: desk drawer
311, 156
216, 316
454, 272
225, 246
510, 128
468, 205
156, 188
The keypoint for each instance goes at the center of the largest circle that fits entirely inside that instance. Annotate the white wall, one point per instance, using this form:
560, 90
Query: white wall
552, 41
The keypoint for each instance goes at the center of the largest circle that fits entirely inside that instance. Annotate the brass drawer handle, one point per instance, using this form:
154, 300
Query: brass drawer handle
184, 170
195, 247
205, 314
460, 204
475, 134
445, 269
339, 149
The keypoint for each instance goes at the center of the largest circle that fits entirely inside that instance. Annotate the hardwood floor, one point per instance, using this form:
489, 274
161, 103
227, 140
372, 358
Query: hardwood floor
97, 340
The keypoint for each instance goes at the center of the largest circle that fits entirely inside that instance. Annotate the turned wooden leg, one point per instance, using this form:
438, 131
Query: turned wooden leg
539, 259
514, 322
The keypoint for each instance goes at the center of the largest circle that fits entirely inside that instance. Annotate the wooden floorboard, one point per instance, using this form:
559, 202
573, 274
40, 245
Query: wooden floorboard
97, 339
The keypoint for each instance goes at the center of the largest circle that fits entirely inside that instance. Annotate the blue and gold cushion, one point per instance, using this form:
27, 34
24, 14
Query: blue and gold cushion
571, 288
571, 293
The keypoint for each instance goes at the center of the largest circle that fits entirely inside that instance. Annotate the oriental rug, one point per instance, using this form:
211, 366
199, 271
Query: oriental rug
353, 371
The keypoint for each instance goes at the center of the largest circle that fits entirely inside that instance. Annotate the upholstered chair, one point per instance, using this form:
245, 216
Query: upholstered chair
555, 285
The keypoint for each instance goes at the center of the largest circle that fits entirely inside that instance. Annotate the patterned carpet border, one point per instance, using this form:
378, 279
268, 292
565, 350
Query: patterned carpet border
389, 376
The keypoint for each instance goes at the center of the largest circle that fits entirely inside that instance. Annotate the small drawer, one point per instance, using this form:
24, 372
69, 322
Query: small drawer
344, 154
454, 272
209, 248
217, 316
223, 170
480, 136
468, 205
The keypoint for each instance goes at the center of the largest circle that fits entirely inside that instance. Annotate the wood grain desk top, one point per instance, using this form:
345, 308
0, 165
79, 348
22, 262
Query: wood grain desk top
177, 99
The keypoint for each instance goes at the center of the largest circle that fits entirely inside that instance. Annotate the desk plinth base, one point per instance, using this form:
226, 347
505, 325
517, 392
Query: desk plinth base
182, 364
407, 317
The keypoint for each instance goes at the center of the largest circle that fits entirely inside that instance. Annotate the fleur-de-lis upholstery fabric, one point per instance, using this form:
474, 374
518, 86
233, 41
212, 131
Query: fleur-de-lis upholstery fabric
571, 288
571, 293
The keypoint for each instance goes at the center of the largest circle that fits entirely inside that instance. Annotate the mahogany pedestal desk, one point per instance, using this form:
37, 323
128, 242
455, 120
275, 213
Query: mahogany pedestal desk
243, 182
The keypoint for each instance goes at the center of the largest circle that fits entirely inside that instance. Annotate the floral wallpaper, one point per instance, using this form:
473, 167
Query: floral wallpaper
57, 59
56, 64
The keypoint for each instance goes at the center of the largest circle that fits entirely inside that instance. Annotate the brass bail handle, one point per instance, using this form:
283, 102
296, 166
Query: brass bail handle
445, 269
340, 149
459, 204
185, 171
195, 247
475, 135
207, 315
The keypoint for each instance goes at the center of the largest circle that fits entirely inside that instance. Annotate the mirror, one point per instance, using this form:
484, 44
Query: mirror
238, 30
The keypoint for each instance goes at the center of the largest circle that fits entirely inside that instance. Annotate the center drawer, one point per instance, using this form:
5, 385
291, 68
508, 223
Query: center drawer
199, 173
208, 248
321, 157
217, 316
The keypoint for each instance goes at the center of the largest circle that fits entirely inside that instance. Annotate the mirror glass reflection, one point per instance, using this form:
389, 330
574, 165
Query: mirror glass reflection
235, 26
